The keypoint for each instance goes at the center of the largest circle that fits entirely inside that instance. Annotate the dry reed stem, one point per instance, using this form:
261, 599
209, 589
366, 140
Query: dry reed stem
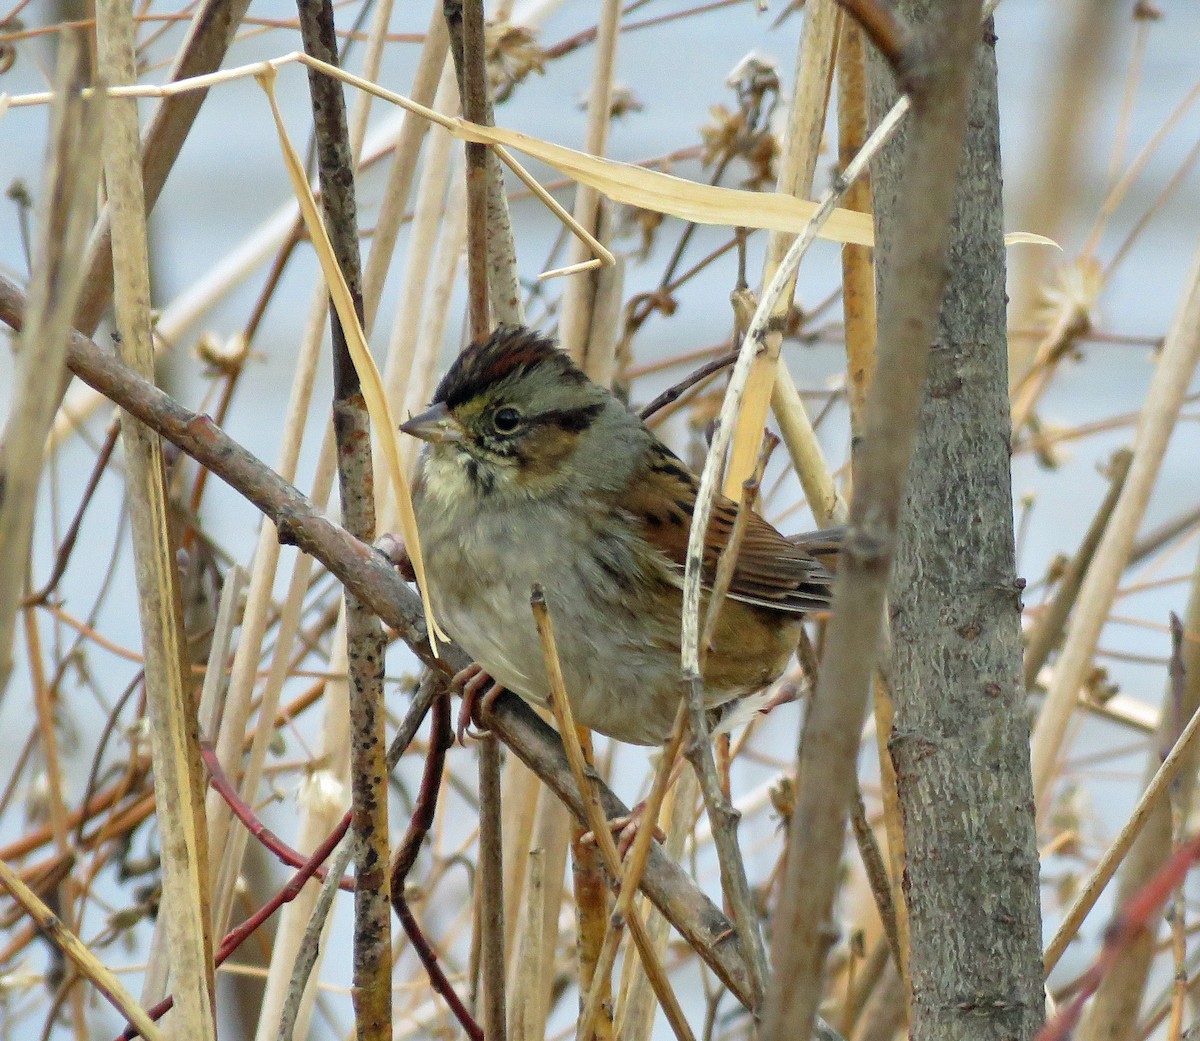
530, 965
322, 802
800, 147
351, 422
1164, 398
213, 690
70, 176
227, 847
309, 946
858, 268
576, 323
540, 906
597, 821
79, 954
797, 433
1102, 875
910, 291
521, 795
1045, 635
209, 716
286, 632
381, 17
636, 996
178, 780
440, 286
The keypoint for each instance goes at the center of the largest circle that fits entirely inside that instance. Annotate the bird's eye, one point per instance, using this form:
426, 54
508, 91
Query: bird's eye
506, 420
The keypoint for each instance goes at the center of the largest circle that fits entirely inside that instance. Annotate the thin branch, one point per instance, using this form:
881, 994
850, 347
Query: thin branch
364, 636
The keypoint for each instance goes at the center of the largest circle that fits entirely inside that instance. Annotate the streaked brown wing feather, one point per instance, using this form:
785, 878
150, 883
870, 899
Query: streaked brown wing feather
772, 571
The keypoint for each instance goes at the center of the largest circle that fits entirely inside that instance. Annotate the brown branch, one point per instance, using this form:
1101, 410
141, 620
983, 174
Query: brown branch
465, 22
364, 636
673, 393
441, 737
266, 837
436, 977
910, 292
888, 32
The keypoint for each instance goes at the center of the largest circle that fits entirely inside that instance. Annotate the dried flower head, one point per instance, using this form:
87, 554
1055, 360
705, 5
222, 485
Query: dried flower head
512, 53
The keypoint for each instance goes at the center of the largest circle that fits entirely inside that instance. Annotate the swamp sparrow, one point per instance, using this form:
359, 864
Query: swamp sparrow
533, 473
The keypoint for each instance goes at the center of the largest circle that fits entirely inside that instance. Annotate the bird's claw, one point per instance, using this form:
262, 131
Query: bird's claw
479, 690
625, 829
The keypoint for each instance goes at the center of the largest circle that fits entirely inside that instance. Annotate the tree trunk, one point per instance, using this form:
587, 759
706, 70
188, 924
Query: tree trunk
961, 739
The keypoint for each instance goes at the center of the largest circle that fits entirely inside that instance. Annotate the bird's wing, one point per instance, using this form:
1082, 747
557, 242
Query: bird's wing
772, 571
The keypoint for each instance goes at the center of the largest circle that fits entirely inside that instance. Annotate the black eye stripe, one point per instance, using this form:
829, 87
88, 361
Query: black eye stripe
573, 420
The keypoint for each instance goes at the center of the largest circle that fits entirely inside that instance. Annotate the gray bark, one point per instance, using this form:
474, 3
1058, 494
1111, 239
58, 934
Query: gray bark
961, 739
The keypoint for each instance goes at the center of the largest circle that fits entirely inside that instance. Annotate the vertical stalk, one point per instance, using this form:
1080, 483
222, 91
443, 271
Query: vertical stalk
178, 778
364, 635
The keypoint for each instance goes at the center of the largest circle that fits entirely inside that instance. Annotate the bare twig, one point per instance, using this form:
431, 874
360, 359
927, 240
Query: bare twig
364, 637
306, 954
1090, 892
877, 875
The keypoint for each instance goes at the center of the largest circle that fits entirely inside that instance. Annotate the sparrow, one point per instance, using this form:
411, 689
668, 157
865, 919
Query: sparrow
532, 473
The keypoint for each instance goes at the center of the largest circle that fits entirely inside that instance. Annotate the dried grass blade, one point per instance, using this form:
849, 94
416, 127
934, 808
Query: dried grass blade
664, 193
372, 383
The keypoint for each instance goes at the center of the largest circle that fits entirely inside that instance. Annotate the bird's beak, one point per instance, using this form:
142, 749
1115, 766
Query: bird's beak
435, 424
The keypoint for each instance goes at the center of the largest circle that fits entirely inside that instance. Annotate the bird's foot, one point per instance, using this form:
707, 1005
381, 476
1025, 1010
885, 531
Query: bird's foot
393, 548
479, 690
624, 830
